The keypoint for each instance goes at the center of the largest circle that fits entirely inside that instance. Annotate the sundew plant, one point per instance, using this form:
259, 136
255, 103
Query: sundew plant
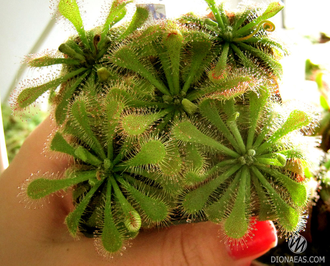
172, 121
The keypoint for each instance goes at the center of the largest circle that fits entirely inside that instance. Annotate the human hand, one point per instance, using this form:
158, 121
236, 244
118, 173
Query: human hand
40, 237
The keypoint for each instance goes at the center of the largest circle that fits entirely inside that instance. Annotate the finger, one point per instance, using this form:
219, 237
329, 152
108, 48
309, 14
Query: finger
189, 244
201, 244
32, 159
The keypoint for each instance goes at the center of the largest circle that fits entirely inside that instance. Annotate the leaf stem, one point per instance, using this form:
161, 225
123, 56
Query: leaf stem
231, 122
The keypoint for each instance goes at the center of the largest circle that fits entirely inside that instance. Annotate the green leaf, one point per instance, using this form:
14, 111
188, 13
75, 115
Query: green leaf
137, 124
216, 13
231, 122
103, 74
244, 59
230, 88
112, 239
223, 14
66, 49
265, 209
81, 121
192, 178
187, 132
74, 218
271, 115
193, 158
199, 50
60, 144
209, 22
269, 161
217, 210
288, 217
132, 219
30, 95
42, 187
189, 107
270, 43
71, 43
141, 15
70, 10
219, 72
155, 209
296, 120
119, 17
148, 36
173, 41
118, 8
195, 200
124, 57
272, 9
257, 103
210, 111
172, 163
61, 108
297, 190
236, 225
114, 108
48, 61
240, 18
84, 155
151, 152
272, 63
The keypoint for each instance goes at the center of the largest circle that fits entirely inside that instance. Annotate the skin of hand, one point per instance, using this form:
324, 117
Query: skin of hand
38, 236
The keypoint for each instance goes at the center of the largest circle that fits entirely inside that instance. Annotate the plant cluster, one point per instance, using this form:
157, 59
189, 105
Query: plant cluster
174, 120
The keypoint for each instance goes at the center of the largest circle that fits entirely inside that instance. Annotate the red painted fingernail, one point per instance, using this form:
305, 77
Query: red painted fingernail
262, 237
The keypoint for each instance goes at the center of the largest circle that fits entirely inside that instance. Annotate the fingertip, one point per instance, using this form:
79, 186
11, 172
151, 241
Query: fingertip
263, 237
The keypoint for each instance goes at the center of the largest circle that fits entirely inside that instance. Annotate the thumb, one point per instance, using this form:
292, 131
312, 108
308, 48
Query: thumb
199, 244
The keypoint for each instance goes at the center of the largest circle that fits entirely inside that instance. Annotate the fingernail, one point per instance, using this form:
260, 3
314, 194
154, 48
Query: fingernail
262, 238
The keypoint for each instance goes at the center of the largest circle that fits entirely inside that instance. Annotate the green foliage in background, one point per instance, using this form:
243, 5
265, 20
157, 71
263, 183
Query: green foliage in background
18, 127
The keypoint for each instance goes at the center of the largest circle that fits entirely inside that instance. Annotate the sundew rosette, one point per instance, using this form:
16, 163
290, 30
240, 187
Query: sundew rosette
175, 60
81, 56
241, 38
255, 169
120, 184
